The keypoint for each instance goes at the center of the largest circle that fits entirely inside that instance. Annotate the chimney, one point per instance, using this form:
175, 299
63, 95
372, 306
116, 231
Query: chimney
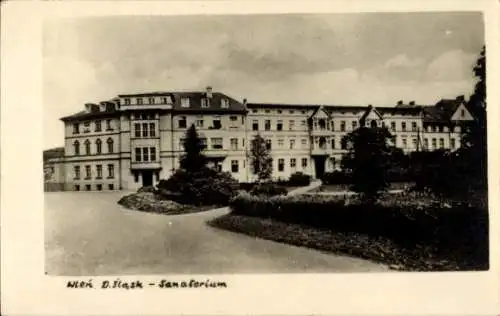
209, 92
461, 98
412, 103
102, 106
88, 107
400, 102
245, 101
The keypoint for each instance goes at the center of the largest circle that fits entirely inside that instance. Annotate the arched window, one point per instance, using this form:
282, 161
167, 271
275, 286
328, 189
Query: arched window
87, 147
110, 145
374, 124
76, 146
98, 146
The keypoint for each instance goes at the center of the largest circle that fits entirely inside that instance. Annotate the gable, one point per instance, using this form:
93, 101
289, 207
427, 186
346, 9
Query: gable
321, 113
462, 114
373, 115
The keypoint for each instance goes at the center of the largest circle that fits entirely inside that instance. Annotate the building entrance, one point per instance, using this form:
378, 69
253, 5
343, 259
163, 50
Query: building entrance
319, 166
147, 178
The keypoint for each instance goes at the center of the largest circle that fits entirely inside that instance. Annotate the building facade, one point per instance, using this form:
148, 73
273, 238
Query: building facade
135, 140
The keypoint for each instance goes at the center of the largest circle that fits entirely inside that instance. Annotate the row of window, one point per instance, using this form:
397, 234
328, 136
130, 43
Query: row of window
98, 187
217, 143
267, 111
144, 130
88, 172
216, 122
281, 164
434, 143
98, 146
279, 125
185, 101
321, 143
145, 154
97, 126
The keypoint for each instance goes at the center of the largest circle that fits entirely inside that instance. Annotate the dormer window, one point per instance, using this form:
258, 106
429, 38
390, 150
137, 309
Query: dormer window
139, 101
127, 101
185, 102
167, 100
151, 100
224, 103
204, 103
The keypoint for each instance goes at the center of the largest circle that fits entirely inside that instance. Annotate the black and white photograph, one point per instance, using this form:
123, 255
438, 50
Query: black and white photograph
235, 157
265, 143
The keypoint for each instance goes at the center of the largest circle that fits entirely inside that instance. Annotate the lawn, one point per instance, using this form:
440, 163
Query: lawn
345, 187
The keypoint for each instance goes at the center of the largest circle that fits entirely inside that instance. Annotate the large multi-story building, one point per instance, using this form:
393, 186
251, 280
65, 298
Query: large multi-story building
135, 140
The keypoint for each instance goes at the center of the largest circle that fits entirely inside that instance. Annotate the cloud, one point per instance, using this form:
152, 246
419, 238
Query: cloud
451, 66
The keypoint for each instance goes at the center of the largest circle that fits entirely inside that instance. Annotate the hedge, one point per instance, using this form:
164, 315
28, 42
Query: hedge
407, 220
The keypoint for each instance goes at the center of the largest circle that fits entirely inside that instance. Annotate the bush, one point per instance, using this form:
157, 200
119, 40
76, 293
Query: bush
336, 177
204, 187
148, 189
408, 220
268, 189
299, 179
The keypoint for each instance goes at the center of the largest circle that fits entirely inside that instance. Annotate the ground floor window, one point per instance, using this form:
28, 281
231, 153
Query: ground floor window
281, 164
77, 187
87, 187
293, 162
136, 176
111, 187
304, 162
157, 175
234, 166
99, 187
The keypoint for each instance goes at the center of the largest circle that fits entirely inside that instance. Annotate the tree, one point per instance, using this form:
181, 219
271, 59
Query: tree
260, 157
368, 160
193, 159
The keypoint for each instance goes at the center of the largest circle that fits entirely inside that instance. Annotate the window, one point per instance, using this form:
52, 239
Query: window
110, 145
199, 123
291, 125
304, 162
414, 126
157, 175
127, 101
98, 126
86, 126
182, 122
138, 154
204, 103
217, 124
452, 143
139, 101
136, 176
99, 171
292, 111
426, 143
152, 130
267, 125
457, 129
292, 143
234, 166
343, 144
203, 142
88, 187
446, 129
87, 147
152, 153
304, 143
281, 164
393, 126
77, 187
255, 125
224, 103
404, 142
76, 128
151, 100
98, 146
233, 119
342, 126
281, 142
88, 173
293, 162
333, 143
145, 154
234, 143
433, 143
216, 143
279, 111
108, 125
111, 171
303, 123
441, 143
279, 125
268, 144
462, 113
185, 102
414, 142
354, 125
267, 111
403, 126
76, 147
144, 129
255, 111
181, 143
111, 187
137, 128
76, 170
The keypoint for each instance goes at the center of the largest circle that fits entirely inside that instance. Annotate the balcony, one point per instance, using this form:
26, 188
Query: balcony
145, 165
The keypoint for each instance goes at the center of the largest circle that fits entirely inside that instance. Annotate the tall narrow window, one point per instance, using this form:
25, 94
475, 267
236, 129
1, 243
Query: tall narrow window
151, 100
267, 125
304, 162
185, 102
217, 123
88, 173
434, 143
281, 142
452, 143
98, 126
108, 125
393, 126
76, 148
76, 128
138, 154
255, 125
281, 164
426, 143
152, 153
144, 129
76, 170
342, 126
99, 171
279, 125
137, 128
268, 144
403, 126
291, 125
87, 147
234, 166
354, 125
441, 143
152, 130
292, 143
204, 103
98, 146
333, 143
293, 162
145, 154
414, 126
139, 101
224, 103
111, 171
110, 145
234, 143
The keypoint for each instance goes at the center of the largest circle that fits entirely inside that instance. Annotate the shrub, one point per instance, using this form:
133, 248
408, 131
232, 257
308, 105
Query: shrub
147, 189
299, 179
204, 187
268, 189
336, 177
408, 220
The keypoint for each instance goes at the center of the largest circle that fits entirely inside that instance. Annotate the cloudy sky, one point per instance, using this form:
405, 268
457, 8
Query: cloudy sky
371, 58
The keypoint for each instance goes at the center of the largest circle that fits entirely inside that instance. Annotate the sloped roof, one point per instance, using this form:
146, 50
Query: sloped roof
214, 106
56, 152
442, 111
82, 115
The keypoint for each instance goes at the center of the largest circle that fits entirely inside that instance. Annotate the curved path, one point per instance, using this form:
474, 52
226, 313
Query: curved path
90, 234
